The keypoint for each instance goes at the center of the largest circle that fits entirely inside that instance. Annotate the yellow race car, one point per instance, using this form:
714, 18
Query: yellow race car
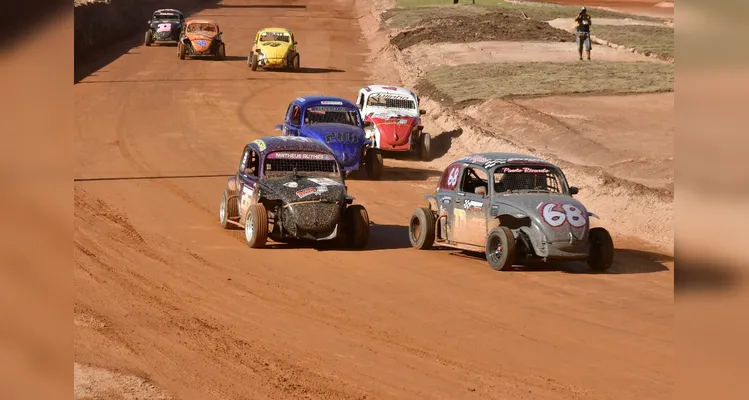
274, 48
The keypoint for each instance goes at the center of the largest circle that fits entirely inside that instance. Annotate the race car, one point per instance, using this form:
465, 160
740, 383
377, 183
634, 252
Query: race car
396, 120
513, 207
164, 26
337, 123
274, 48
201, 37
292, 188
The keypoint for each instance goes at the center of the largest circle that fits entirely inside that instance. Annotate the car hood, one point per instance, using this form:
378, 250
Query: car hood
347, 152
274, 49
292, 189
556, 215
394, 129
156, 23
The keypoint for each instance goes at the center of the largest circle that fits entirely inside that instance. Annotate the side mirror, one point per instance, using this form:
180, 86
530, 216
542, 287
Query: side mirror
220, 33
574, 190
294, 42
278, 127
149, 22
422, 112
367, 124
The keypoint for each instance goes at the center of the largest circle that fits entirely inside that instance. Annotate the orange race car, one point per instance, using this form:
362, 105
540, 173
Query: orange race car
201, 37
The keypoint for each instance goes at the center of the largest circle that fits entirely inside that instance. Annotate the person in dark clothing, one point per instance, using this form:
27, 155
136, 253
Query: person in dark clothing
583, 32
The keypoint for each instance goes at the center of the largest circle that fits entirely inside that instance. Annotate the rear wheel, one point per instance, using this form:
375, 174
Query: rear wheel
253, 61
425, 146
421, 228
181, 50
374, 164
256, 226
500, 248
601, 249
356, 226
148, 39
229, 209
295, 64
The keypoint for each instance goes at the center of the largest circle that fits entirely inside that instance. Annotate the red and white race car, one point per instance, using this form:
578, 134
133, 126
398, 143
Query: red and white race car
396, 119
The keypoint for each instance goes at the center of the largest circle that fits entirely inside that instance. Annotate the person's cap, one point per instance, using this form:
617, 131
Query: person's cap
583, 9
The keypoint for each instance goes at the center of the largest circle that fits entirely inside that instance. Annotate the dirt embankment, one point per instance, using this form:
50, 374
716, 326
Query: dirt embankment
489, 27
98, 24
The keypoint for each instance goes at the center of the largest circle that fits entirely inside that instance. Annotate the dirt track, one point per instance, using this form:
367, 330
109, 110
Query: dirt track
165, 294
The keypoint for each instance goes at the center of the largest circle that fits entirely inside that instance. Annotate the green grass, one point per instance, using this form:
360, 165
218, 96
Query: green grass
410, 12
469, 83
658, 40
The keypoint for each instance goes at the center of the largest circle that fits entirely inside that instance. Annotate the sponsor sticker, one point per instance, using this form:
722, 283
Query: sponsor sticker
332, 103
260, 144
313, 190
473, 205
325, 181
285, 155
527, 170
291, 184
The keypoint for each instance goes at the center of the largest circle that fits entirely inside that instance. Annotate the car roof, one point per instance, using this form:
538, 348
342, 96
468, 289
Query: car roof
281, 30
389, 89
317, 100
499, 158
270, 144
201, 21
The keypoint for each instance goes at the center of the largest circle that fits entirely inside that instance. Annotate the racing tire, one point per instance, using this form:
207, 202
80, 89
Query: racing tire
295, 63
374, 164
256, 226
421, 228
253, 61
356, 226
229, 209
222, 52
500, 248
148, 39
181, 50
601, 255
425, 147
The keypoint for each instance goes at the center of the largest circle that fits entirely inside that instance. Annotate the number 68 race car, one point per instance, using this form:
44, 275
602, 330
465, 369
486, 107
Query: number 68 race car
514, 208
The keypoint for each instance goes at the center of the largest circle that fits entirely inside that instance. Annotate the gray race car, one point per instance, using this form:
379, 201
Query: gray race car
513, 207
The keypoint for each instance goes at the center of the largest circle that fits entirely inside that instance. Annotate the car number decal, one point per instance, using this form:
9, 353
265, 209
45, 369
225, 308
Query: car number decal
341, 137
452, 179
557, 214
164, 28
201, 42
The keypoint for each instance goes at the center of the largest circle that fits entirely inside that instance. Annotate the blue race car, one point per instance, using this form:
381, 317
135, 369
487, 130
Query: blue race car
337, 123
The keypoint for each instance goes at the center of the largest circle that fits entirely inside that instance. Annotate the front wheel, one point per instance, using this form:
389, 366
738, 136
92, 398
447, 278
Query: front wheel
253, 61
374, 164
148, 40
356, 226
222, 52
228, 209
256, 226
421, 228
181, 50
295, 64
500, 248
601, 255
425, 146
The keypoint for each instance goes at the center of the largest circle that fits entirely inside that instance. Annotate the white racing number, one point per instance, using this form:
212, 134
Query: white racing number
452, 179
164, 28
556, 214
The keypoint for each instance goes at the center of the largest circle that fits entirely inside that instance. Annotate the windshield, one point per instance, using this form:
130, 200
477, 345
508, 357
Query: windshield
201, 27
331, 115
390, 101
166, 17
275, 37
308, 164
521, 178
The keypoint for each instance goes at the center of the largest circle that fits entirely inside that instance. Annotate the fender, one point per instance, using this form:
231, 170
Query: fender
432, 202
232, 183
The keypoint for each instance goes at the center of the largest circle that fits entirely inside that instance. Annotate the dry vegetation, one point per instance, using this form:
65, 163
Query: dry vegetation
658, 40
466, 84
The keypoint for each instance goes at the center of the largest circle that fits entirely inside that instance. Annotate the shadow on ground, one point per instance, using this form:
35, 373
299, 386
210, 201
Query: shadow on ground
396, 174
626, 262
382, 237
441, 144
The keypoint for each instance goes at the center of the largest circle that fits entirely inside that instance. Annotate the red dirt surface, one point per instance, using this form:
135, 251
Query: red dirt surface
163, 292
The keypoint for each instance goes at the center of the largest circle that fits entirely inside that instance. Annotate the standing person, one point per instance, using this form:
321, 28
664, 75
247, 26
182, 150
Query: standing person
583, 32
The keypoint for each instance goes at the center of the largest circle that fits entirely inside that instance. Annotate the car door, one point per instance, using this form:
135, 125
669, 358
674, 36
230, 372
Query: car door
471, 207
446, 196
248, 173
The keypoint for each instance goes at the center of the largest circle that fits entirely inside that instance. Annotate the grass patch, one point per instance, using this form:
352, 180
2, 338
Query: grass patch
658, 40
469, 83
411, 12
